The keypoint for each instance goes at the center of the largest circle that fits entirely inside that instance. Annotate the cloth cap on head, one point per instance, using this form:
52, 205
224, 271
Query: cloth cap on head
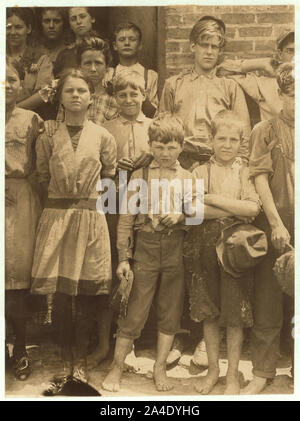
219, 21
283, 35
240, 248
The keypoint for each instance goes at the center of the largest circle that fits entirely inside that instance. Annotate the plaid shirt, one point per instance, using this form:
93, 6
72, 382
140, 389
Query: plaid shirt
102, 108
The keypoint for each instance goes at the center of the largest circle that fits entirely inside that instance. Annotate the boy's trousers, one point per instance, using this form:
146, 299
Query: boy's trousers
157, 266
268, 314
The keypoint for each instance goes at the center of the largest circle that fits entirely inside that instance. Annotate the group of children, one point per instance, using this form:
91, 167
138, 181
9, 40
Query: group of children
103, 125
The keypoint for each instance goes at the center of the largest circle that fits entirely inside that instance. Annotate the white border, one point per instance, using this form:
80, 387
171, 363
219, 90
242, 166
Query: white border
110, 3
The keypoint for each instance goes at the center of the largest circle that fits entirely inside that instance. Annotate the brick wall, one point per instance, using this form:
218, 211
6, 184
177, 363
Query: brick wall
251, 31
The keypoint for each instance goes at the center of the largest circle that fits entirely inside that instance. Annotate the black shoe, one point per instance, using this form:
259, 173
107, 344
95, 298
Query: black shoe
22, 367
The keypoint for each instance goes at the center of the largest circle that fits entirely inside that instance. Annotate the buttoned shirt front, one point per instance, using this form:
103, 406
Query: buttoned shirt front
197, 99
149, 222
230, 181
131, 136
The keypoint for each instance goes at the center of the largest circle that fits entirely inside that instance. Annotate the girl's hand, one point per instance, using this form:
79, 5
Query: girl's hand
280, 237
50, 127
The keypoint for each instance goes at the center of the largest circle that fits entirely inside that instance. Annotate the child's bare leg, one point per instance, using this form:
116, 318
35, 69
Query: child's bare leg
164, 343
112, 380
256, 386
104, 320
212, 340
234, 350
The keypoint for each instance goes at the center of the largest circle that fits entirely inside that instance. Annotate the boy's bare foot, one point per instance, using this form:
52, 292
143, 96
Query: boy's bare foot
232, 385
255, 387
96, 357
160, 378
207, 383
112, 380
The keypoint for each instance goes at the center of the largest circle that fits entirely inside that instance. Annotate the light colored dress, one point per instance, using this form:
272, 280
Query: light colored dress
72, 252
23, 209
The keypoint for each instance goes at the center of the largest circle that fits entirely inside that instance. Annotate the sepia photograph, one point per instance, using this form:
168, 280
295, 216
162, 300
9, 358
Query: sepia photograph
149, 200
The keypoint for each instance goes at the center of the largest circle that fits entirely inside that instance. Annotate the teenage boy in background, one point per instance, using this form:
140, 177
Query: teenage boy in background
127, 42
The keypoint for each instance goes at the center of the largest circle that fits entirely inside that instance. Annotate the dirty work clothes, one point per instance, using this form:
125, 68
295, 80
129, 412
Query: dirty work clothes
131, 136
262, 89
197, 99
72, 253
227, 181
267, 310
22, 207
215, 294
157, 266
128, 222
273, 153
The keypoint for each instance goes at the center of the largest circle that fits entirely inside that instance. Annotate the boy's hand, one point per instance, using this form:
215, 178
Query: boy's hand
123, 270
171, 219
125, 164
268, 67
50, 127
107, 78
143, 160
209, 199
280, 237
246, 219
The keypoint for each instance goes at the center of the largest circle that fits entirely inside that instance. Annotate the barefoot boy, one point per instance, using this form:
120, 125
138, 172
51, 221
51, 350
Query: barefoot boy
157, 254
221, 296
271, 165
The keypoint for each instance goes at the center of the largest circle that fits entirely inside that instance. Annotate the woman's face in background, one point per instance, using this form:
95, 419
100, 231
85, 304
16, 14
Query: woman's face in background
16, 31
12, 86
81, 21
52, 25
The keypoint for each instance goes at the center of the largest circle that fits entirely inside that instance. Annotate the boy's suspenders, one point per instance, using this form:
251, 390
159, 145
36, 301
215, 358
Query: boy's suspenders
146, 78
148, 109
208, 176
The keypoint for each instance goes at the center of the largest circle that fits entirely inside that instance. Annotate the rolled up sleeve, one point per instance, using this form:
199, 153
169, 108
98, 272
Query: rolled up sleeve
261, 145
